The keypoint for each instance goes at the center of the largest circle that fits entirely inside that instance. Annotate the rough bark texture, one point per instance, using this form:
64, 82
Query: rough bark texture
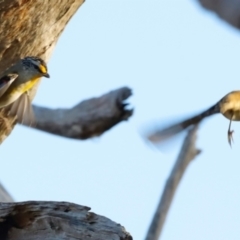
187, 153
89, 118
228, 10
32, 27
56, 220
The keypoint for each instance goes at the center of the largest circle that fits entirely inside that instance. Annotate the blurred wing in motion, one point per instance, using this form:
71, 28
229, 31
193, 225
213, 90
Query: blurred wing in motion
6, 81
22, 108
163, 134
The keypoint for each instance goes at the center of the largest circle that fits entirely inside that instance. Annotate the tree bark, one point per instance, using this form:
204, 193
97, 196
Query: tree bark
56, 220
228, 10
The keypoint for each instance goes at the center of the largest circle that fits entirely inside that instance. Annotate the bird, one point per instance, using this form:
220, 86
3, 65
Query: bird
228, 106
17, 86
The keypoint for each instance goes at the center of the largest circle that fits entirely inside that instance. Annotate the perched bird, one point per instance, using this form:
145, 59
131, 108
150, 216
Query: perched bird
228, 106
16, 84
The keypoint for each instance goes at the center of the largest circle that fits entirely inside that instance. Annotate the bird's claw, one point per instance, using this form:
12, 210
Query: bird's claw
230, 137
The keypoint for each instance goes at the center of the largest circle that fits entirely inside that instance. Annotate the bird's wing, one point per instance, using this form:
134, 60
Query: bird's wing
6, 81
22, 108
162, 134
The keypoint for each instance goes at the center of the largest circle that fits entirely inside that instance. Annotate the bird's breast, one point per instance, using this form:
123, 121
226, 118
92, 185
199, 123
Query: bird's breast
24, 87
231, 110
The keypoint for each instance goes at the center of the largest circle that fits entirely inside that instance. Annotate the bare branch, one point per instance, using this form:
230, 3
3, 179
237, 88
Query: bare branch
4, 195
56, 221
228, 10
186, 155
87, 119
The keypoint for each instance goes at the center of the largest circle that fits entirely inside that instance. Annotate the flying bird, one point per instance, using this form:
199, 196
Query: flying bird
228, 106
16, 84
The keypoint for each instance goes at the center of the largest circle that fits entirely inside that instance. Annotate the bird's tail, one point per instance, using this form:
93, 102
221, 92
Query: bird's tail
163, 134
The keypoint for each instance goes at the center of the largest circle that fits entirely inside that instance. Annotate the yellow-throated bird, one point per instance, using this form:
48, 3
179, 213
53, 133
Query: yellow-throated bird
228, 106
15, 85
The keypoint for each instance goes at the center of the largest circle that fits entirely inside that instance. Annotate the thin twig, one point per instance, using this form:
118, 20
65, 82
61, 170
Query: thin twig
187, 154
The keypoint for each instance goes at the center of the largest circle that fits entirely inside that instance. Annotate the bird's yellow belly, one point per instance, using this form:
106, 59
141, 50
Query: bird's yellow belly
24, 87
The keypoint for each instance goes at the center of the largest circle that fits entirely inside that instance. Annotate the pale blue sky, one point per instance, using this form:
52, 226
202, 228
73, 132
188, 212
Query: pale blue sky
178, 59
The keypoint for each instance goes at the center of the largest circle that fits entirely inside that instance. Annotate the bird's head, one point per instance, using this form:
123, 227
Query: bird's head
38, 66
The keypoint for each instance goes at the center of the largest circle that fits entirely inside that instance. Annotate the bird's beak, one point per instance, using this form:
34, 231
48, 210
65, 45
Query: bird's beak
46, 75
